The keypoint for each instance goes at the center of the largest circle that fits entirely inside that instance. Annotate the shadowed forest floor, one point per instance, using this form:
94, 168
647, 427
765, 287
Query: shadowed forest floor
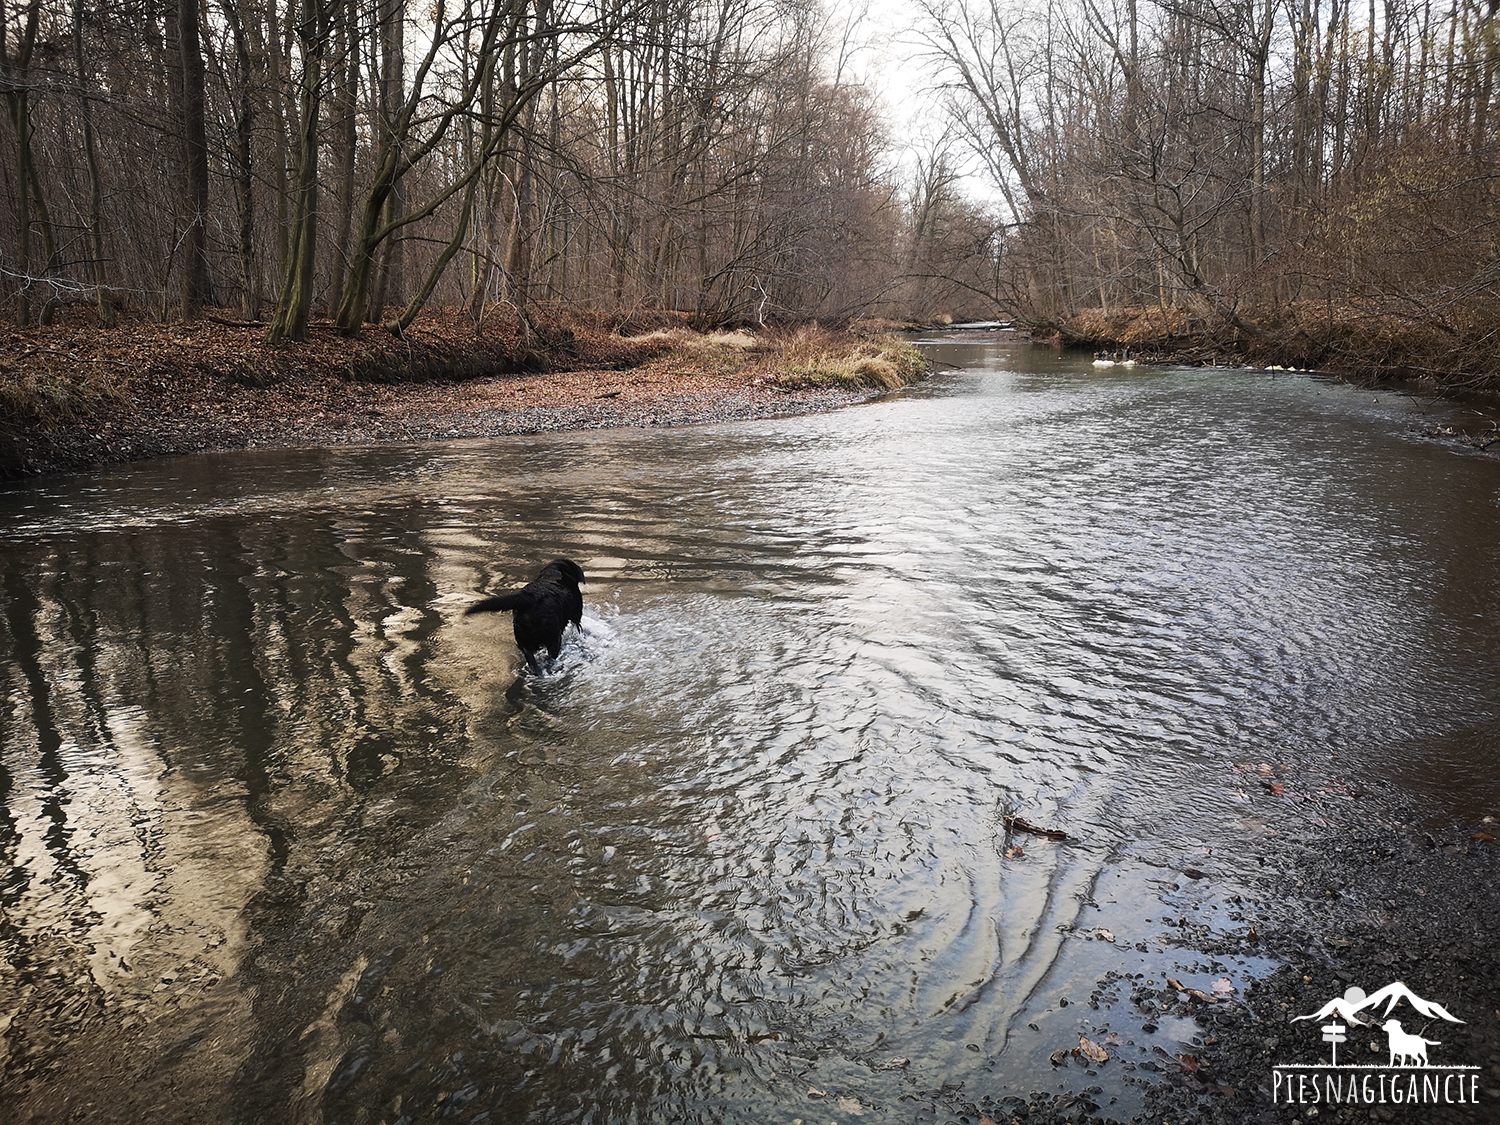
72, 397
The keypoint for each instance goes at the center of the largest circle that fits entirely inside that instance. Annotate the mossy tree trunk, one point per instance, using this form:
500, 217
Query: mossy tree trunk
294, 306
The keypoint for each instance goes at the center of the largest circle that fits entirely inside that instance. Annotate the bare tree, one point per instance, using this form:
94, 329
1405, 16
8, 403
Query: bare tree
295, 303
196, 288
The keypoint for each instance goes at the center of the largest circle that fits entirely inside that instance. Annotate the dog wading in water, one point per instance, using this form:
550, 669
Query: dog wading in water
541, 609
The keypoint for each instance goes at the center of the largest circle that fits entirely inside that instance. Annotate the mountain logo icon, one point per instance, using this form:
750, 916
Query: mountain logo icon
1355, 1001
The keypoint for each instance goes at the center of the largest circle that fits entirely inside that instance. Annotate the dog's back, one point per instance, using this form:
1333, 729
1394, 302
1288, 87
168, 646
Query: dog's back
541, 609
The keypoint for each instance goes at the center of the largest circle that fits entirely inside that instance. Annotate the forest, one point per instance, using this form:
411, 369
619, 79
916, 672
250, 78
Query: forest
363, 160
1310, 181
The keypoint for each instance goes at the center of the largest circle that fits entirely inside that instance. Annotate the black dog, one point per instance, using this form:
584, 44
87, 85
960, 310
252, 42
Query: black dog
542, 608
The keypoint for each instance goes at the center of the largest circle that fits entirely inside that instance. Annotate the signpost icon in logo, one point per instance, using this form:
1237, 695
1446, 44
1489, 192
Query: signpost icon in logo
1334, 1033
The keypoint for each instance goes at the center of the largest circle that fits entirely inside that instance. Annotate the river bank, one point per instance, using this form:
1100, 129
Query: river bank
1352, 349
1381, 901
71, 397
1356, 345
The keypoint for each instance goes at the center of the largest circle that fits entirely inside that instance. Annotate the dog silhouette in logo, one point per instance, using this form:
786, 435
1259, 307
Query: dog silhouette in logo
1410, 1049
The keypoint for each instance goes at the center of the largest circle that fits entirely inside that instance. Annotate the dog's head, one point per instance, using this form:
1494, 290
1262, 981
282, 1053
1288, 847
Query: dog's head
568, 570
1391, 1025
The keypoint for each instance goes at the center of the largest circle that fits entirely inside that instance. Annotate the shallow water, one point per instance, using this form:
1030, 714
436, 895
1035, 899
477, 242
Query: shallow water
285, 837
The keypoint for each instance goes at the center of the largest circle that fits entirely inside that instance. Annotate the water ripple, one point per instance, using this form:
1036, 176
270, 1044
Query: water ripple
747, 835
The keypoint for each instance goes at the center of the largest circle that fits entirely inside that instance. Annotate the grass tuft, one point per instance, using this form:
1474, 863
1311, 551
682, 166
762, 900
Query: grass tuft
812, 356
52, 393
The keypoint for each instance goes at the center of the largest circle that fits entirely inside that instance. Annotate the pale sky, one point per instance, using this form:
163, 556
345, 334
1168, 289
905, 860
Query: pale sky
889, 57
890, 60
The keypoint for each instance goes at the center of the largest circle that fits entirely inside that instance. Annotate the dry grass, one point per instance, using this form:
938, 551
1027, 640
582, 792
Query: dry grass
1352, 340
736, 339
690, 342
798, 359
813, 357
49, 390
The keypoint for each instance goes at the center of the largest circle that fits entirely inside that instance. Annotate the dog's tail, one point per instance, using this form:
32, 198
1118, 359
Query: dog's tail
500, 603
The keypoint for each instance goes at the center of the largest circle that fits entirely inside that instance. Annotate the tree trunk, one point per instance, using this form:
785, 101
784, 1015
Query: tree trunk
346, 138
103, 304
243, 163
194, 140
17, 101
20, 119
295, 303
391, 279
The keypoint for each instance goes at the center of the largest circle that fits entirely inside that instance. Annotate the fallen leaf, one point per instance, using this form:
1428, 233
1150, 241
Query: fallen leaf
1482, 836
1223, 987
1059, 1056
814, 1092
1094, 1052
1014, 853
1275, 788
1106, 935
852, 1107
1188, 1062
1177, 984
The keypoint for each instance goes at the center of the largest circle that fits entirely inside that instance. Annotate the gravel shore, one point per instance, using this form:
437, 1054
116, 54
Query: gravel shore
329, 412
172, 404
1358, 901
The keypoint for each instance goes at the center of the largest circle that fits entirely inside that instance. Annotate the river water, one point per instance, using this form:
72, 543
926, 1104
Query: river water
286, 837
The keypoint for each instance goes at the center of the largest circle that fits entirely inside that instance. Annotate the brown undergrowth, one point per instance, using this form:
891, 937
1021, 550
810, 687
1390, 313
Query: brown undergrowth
1345, 340
73, 395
